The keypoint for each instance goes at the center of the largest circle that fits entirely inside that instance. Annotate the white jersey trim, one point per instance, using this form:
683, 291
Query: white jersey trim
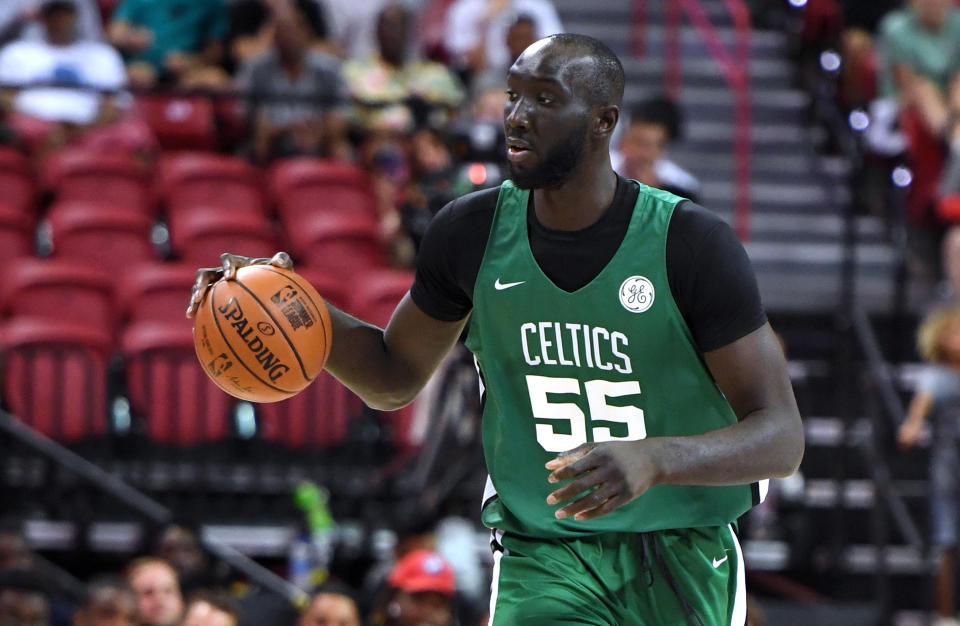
739, 615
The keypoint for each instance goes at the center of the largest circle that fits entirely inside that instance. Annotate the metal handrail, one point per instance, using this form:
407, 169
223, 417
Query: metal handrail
144, 505
736, 70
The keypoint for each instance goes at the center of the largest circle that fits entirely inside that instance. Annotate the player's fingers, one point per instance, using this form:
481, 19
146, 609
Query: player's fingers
586, 461
232, 262
282, 259
205, 277
565, 458
595, 499
611, 504
576, 487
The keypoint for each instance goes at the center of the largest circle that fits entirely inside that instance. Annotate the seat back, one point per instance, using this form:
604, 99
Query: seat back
99, 237
201, 236
55, 376
96, 177
16, 234
191, 180
17, 184
316, 417
179, 123
55, 289
167, 386
156, 292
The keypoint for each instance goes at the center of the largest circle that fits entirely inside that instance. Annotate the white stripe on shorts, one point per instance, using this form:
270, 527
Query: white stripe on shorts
495, 583
739, 615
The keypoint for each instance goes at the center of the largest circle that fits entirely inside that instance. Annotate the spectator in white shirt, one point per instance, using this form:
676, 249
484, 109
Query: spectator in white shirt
60, 87
476, 30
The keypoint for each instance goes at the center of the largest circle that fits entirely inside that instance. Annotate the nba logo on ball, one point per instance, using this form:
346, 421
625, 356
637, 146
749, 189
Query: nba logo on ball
636, 294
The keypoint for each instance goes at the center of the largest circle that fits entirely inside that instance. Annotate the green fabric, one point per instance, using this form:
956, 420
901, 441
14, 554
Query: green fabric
177, 25
931, 54
561, 369
613, 579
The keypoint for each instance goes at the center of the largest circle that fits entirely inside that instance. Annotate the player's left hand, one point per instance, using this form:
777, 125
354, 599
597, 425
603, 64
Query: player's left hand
605, 477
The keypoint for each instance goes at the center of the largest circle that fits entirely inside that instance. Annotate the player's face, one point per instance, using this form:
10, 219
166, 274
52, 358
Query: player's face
545, 120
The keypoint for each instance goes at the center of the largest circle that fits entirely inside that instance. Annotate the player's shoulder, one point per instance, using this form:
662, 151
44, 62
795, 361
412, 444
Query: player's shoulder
477, 206
692, 223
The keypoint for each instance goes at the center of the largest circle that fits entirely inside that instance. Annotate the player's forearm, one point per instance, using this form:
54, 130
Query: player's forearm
766, 443
360, 359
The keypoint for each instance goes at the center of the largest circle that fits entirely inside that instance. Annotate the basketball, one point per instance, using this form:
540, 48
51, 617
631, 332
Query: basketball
263, 336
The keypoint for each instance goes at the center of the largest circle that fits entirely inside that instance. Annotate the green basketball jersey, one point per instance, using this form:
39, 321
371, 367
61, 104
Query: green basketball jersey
613, 360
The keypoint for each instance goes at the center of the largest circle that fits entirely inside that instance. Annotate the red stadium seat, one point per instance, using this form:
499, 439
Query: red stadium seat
167, 386
17, 184
376, 295
333, 287
16, 234
304, 187
315, 417
339, 243
199, 237
99, 237
179, 123
191, 180
82, 176
51, 288
156, 292
55, 376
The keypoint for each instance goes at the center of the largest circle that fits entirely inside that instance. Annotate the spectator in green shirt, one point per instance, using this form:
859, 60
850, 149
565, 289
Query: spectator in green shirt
174, 41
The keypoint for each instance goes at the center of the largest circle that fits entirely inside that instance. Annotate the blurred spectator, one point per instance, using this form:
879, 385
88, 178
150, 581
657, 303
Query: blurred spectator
391, 77
18, 20
15, 552
920, 57
302, 86
157, 590
178, 546
642, 154
109, 602
47, 117
252, 29
353, 24
420, 592
937, 399
171, 41
333, 604
522, 33
477, 30
211, 609
23, 606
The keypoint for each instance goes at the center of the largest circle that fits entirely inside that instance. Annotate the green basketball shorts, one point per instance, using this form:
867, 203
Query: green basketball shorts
688, 577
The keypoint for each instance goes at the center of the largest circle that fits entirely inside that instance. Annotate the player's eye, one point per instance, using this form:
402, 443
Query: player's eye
511, 95
545, 98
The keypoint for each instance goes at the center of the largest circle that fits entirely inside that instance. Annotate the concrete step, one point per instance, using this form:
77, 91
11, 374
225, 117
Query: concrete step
774, 197
764, 72
764, 44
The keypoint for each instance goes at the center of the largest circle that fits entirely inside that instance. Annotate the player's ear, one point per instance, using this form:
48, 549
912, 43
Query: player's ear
606, 120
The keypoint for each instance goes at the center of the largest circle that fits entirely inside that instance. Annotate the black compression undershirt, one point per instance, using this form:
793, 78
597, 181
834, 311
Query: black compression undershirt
707, 268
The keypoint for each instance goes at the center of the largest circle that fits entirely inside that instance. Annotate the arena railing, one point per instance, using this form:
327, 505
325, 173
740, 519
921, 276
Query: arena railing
735, 66
149, 509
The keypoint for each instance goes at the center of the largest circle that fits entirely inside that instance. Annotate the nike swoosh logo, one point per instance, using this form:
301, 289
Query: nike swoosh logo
501, 286
719, 562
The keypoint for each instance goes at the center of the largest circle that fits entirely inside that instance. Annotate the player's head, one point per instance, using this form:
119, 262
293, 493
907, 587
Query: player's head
109, 602
563, 102
157, 590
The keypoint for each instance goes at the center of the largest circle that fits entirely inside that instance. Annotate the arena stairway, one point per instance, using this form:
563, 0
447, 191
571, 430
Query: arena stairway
820, 533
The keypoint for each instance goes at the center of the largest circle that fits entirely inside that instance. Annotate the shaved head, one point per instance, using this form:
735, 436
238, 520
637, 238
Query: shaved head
597, 72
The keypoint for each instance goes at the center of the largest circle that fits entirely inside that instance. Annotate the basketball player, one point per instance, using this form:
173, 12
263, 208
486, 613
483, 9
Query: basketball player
635, 397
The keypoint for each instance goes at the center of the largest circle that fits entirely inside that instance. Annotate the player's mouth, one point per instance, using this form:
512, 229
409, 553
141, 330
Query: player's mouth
518, 150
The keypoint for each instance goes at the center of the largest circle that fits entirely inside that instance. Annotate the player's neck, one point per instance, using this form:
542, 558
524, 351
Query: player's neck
581, 200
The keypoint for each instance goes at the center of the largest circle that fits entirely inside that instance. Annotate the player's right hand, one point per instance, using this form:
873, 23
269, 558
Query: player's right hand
229, 264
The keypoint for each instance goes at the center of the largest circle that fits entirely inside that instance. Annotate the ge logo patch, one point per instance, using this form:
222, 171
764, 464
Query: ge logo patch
636, 294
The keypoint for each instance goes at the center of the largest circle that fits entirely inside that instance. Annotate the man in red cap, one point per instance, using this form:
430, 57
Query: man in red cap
420, 592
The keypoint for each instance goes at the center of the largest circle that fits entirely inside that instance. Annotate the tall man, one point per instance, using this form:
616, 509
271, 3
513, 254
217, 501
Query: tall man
635, 397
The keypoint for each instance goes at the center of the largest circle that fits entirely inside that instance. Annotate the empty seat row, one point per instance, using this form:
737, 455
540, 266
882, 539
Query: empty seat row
58, 349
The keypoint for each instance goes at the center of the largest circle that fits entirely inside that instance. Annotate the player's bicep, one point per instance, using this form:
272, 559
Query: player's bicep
752, 374
418, 341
